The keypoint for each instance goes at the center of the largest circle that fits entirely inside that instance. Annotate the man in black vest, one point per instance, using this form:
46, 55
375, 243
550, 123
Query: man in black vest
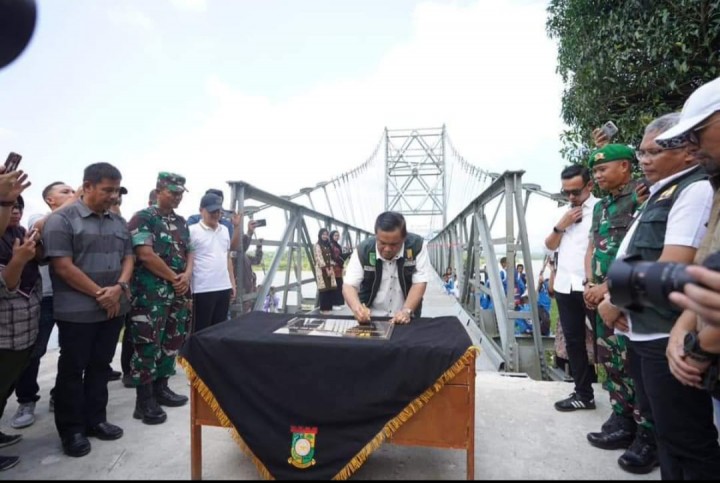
388, 273
669, 228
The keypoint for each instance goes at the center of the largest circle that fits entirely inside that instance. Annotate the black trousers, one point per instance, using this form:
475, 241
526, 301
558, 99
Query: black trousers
326, 300
81, 395
128, 347
26, 388
683, 416
12, 364
572, 317
210, 308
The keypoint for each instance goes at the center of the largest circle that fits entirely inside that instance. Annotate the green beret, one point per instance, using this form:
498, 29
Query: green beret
171, 181
610, 152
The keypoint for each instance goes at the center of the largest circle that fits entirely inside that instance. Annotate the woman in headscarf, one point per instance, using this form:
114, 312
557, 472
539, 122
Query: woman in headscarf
338, 258
324, 272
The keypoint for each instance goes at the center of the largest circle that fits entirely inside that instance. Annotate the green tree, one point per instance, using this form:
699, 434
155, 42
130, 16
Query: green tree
629, 61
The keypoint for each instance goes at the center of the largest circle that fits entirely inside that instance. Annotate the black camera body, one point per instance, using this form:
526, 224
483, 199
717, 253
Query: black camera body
635, 284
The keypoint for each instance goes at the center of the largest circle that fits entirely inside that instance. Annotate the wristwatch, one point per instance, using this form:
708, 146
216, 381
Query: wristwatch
693, 350
558, 230
124, 286
585, 281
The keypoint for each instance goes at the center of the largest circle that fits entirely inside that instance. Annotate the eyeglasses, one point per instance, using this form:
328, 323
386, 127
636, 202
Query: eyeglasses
575, 193
652, 152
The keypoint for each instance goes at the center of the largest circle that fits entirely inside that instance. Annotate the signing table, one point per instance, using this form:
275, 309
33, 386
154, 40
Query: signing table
306, 407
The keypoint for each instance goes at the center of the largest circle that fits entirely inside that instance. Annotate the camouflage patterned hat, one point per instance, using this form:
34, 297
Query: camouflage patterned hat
171, 181
609, 153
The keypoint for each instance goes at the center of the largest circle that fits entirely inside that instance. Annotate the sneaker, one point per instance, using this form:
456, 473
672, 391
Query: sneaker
573, 403
24, 416
9, 439
7, 462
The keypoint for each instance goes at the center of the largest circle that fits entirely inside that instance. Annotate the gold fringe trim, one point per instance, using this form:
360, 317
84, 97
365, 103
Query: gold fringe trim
222, 418
394, 424
359, 459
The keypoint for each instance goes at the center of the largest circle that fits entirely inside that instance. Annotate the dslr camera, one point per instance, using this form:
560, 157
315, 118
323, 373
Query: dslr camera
634, 284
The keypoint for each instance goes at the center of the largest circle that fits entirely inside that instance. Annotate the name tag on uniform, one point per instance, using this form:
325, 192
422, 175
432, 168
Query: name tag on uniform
369, 268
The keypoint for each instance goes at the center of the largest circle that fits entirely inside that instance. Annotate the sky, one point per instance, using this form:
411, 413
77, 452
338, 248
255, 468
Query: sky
280, 94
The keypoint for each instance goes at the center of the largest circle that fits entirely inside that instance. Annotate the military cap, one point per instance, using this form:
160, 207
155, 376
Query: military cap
171, 181
610, 152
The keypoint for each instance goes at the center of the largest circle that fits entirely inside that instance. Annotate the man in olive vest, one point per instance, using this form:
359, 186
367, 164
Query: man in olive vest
669, 228
388, 273
611, 166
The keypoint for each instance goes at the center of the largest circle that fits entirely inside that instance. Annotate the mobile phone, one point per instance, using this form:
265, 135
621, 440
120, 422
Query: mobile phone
609, 129
645, 181
12, 162
261, 222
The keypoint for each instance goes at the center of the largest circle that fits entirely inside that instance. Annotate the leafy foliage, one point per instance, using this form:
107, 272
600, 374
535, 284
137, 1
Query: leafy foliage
629, 61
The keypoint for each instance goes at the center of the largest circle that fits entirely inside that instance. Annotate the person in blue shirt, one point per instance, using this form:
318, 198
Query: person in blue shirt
523, 326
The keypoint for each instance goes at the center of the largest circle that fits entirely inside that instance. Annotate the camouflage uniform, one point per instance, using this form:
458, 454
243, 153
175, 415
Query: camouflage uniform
159, 316
611, 219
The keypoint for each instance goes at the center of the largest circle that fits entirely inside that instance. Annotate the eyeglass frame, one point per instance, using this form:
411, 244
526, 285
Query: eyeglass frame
641, 153
576, 192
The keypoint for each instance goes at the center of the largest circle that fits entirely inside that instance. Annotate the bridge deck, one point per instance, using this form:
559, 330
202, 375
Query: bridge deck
518, 436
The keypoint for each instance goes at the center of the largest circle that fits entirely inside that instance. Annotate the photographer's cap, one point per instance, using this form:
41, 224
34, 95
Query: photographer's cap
171, 181
211, 202
609, 153
701, 104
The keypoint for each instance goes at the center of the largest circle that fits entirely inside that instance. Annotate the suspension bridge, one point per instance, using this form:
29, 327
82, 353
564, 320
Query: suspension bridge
469, 216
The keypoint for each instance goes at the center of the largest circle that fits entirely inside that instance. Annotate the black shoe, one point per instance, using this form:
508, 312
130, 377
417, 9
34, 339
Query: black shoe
127, 381
165, 396
573, 403
114, 375
76, 445
641, 457
105, 431
9, 439
7, 462
620, 438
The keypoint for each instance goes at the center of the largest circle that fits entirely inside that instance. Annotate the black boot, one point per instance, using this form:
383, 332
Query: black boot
165, 396
146, 407
641, 457
617, 432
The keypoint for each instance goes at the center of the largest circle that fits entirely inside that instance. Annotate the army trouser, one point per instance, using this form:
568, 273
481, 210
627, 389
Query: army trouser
158, 332
612, 356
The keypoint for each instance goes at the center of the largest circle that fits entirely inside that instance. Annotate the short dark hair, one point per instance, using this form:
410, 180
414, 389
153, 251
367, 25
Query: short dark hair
503, 260
46, 190
97, 172
576, 170
391, 221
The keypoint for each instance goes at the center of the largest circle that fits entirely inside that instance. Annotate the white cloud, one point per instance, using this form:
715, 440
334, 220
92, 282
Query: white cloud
191, 5
125, 14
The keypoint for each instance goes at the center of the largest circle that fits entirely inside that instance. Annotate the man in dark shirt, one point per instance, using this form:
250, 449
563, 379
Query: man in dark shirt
91, 262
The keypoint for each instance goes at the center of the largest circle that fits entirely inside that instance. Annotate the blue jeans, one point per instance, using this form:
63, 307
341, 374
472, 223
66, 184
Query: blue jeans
26, 388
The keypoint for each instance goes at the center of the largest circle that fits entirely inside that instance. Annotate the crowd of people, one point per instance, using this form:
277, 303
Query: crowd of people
656, 357
85, 269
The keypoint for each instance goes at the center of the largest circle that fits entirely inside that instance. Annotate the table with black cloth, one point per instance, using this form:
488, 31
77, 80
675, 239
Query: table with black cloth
344, 396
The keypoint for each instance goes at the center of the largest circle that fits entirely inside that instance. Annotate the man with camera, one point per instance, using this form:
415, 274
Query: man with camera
611, 165
668, 229
569, 237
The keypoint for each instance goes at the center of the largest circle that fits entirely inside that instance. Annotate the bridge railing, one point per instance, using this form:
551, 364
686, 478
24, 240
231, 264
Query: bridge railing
467, 243
289, 232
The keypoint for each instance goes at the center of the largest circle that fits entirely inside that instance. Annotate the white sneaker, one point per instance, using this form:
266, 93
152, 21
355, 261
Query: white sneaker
24, 416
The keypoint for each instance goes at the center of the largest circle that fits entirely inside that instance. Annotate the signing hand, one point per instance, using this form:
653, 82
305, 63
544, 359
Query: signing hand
401, 317
361, 313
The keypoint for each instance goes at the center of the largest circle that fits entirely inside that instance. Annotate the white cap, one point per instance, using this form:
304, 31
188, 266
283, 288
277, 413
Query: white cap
701, 104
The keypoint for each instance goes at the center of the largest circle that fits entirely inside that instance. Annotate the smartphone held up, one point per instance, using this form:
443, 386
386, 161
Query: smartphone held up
12, 162
609, 129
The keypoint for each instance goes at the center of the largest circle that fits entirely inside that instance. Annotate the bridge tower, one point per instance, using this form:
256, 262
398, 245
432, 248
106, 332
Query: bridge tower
416, 175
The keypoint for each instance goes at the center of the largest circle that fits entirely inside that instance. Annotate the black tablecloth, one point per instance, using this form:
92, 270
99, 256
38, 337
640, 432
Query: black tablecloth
342, 397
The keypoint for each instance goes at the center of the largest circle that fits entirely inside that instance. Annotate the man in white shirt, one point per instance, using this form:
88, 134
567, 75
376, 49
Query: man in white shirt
388, 273
669, 229
213, 278
569, 238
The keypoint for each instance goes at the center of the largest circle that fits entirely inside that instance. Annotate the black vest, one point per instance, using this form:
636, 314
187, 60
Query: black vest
648, 241
372, 269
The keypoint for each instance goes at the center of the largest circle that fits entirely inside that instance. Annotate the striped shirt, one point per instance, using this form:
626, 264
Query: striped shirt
97, 245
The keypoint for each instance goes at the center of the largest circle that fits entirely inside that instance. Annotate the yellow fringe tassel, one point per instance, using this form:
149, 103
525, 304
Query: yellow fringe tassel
222, 418
386, 432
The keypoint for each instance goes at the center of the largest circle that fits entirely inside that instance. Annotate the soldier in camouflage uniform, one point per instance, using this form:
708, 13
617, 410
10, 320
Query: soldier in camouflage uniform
612, 168
161, 298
